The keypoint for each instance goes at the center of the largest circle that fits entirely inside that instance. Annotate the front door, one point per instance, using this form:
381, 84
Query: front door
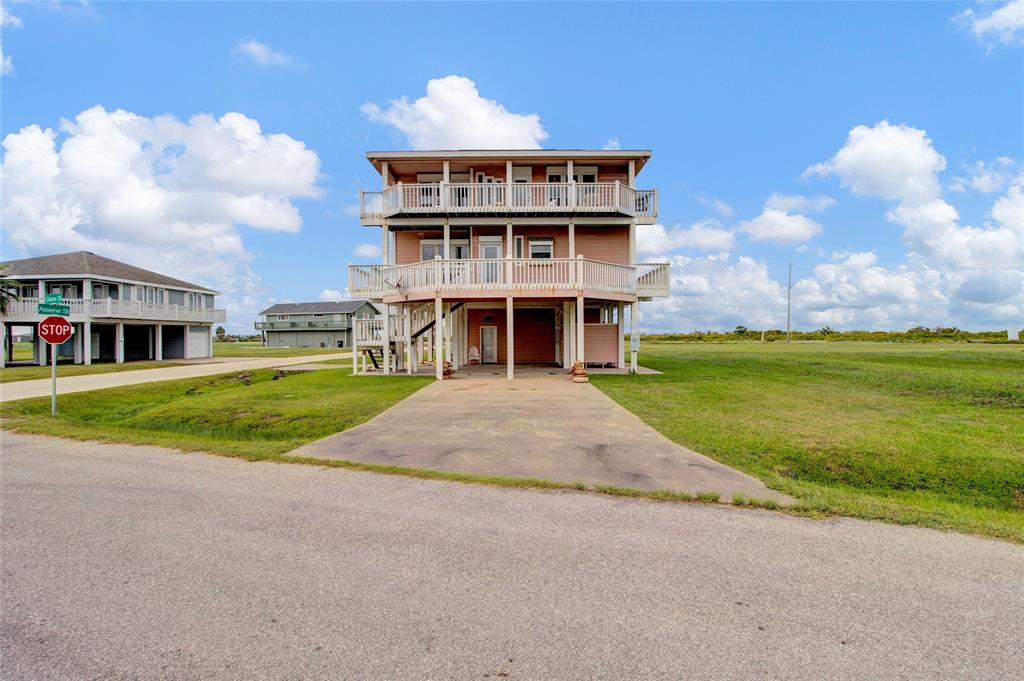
488, 345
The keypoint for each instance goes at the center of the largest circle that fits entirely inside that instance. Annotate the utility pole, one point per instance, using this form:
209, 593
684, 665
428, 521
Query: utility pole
789, 302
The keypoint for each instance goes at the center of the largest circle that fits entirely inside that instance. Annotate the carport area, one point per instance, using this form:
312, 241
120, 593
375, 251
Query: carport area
539, 426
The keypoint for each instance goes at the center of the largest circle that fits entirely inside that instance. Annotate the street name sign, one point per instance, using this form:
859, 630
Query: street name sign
54, 298
46, 308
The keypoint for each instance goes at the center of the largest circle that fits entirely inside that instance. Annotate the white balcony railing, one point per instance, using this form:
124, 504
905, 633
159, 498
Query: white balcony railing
509, 274
530, 197
24, 310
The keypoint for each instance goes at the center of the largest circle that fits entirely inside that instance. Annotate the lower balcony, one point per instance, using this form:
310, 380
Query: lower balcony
24, 310
509, 276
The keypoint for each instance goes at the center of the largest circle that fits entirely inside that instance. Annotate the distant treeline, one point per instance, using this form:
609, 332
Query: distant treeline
918, 334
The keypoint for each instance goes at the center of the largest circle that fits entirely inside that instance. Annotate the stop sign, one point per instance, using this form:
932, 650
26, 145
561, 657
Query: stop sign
55, 330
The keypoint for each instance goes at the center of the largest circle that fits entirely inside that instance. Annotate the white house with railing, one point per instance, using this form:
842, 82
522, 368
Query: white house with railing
119, 312
505, 257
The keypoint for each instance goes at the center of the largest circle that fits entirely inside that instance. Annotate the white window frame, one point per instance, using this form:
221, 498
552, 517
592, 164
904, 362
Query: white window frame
520, 250
541, 241
440, 242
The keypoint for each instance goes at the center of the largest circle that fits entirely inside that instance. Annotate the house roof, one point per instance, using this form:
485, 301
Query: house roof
342, 306
641, 156
85, 264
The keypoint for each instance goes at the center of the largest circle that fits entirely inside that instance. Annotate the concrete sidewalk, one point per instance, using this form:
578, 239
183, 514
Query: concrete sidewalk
540, 426
20, 390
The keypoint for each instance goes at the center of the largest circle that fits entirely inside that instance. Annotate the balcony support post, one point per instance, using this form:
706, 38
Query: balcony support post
632, 174
407, 325
5, 343
384, 173
158, 343
620, 325
510, 338
572, 238
40, 348
449, 356
447, 240
386, 339
580, 356
632, 241
119, 343
634, 320
438, 337
385, 244
355, 344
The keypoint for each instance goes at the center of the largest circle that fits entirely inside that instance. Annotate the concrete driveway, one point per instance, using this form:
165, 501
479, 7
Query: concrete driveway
540, 426
127, 562
20, 390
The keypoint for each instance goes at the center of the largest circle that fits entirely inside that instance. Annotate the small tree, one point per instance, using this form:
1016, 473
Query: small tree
8, 290
220, 333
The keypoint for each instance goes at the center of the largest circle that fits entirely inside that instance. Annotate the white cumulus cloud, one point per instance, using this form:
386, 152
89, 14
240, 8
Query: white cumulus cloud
988, 177
1003, 25
161, 193
330, 295
367, 251
612, 144
7, 20
707, 236
262, 54
454, 115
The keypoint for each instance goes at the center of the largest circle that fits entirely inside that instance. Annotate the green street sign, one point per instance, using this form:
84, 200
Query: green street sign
59, 310
54, 298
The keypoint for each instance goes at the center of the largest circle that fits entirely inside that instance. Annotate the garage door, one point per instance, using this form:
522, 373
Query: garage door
198, 341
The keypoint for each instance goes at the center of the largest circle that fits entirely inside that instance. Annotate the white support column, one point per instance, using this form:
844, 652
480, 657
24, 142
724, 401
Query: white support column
572, 239
568, 327
407, 324
580, 354
211, 341
620, 326
386, 339
632, 174
510, 338
634, 320
508, 174
448, 355
436, 333
447, 240
385, 245
632, 242
446, 176
510, 251
4, 343
384, 173
355, 344
87, 343
158, 342
119, 342
40, 349
77, 344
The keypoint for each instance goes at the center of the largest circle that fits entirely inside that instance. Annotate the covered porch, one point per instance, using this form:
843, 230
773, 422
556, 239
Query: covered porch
497, 334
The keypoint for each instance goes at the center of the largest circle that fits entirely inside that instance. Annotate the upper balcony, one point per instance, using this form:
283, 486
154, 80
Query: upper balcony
316, 324
536, 199
81, 310
530, 277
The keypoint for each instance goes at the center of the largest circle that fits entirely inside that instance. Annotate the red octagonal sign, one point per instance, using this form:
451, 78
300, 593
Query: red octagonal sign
55, 330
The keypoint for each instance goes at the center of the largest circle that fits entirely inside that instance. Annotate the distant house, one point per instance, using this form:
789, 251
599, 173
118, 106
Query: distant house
119, 312
312, 325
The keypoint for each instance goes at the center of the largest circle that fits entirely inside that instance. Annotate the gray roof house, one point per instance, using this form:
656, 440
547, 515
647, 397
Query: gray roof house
312, 325
119, 312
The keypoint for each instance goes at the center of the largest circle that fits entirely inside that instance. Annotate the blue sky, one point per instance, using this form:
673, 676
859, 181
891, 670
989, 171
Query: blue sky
737, 102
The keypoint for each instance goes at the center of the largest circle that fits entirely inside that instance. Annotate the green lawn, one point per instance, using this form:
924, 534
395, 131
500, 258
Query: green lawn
27, 373
257, 419
256, 349
926, 434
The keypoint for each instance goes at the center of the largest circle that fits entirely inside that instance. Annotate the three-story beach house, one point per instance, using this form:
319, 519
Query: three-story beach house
505, 257
119, 312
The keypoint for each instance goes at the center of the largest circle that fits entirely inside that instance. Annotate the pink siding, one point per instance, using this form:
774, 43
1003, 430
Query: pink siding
608, 244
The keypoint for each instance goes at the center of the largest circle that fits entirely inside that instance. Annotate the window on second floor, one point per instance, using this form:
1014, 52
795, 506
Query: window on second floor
542, 247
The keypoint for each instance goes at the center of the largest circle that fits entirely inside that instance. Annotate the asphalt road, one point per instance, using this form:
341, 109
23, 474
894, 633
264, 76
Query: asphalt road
135, 562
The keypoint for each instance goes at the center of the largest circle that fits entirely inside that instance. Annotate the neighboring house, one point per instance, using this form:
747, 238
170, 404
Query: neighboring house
527, 257
119, 312
312, 325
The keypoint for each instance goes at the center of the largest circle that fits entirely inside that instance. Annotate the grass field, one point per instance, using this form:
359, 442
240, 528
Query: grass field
256, 349
926, 434
256, 419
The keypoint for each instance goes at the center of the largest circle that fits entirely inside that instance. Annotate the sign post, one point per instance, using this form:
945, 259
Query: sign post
54, 330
